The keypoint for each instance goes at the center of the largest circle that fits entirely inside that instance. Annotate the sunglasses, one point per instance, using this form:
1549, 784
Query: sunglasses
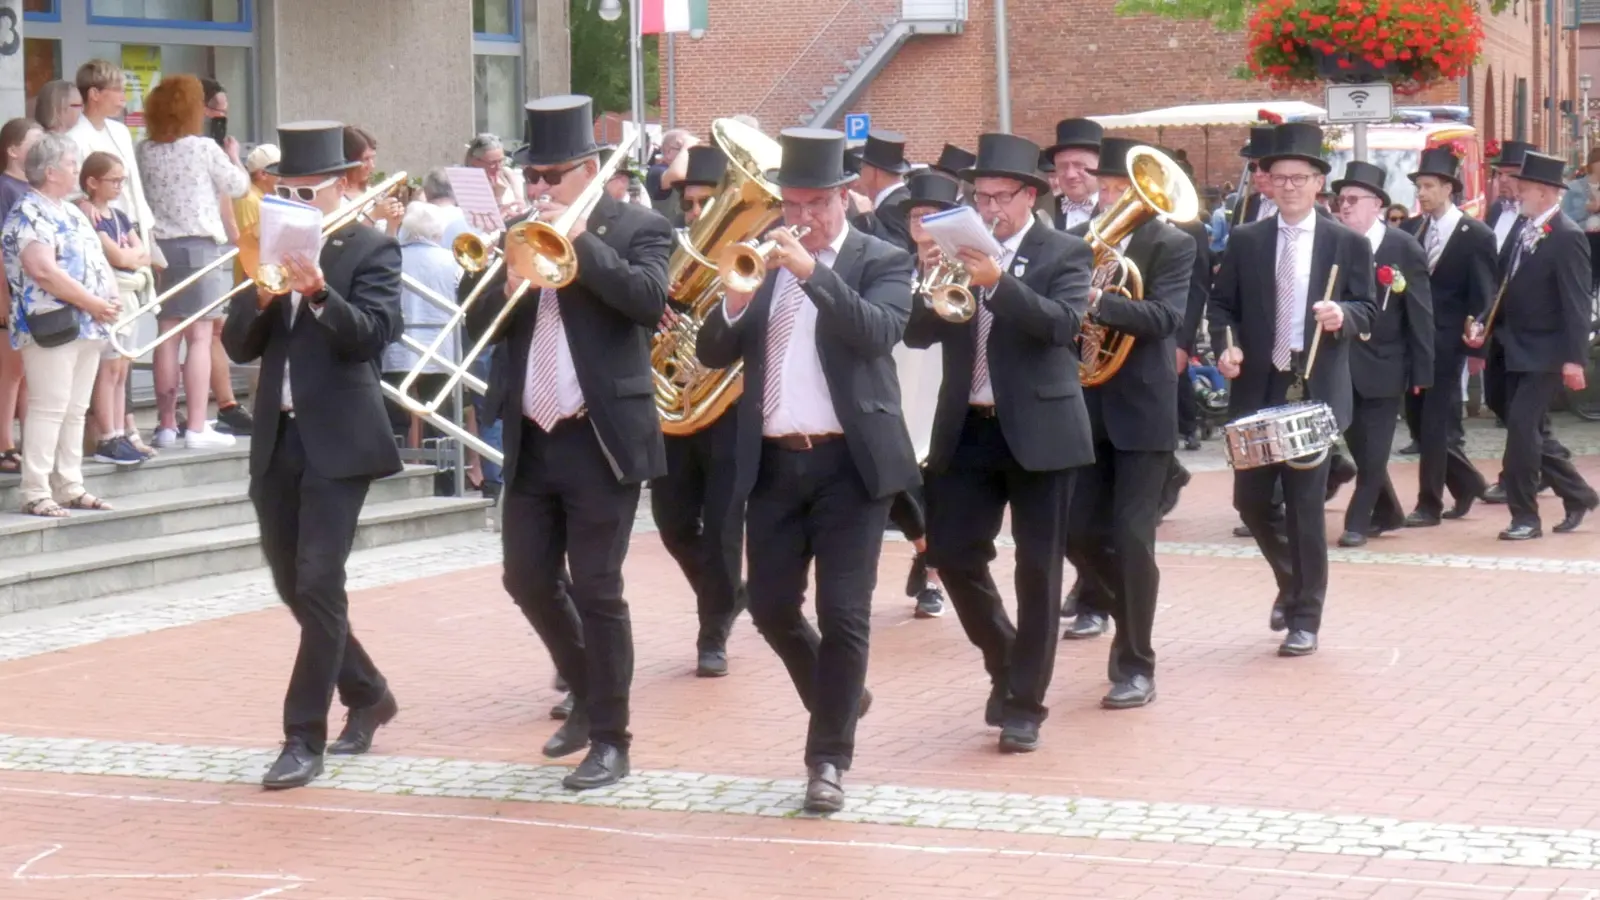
1397, 218
302, 192
687, 204
551, 177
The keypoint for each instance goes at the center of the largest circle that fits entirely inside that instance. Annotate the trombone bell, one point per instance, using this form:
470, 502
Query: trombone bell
471, 252
273, 278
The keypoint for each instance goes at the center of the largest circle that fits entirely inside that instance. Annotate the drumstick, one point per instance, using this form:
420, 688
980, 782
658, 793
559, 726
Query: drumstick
1316, 339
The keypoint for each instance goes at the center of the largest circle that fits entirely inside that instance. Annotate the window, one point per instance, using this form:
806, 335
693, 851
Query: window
1519, 114
497, 96
146, 63
229, 15
496, 20
41, 10
41, 61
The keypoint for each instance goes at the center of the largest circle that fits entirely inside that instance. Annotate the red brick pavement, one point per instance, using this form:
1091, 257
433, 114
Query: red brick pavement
112, 837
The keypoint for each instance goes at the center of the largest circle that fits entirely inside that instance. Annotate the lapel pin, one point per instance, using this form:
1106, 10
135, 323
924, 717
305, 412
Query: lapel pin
1018, 270
338, 243
601, 230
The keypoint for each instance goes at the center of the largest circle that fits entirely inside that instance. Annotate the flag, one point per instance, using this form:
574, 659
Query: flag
662, 16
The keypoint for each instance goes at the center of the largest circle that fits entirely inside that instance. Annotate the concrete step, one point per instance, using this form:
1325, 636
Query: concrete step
201, 507
173, 468
49, 579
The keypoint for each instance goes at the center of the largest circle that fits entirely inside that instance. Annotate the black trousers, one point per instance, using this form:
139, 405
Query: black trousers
812, 505
1532, 452
1494, 379
1371, 436
308, 524
967, 504
701, 524
1188, 407
1444, 463
564, 504
1111, 541
908, 512
1412, 410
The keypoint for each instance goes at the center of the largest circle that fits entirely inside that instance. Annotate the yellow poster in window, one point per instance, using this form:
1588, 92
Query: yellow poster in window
141, 67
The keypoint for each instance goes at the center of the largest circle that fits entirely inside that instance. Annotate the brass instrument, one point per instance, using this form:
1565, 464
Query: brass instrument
690, 396
472, 253
743, 266
272, 278
1157, 187
947, 285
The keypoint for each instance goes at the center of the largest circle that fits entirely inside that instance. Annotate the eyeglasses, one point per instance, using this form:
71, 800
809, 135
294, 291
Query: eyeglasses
1351, 199
816, 208
116, 181
551, 177
1299, 181
998, 198
1396, 218
303, 193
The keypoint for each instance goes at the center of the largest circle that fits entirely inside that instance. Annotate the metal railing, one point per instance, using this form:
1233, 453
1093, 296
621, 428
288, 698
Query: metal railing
934, 10
835, 46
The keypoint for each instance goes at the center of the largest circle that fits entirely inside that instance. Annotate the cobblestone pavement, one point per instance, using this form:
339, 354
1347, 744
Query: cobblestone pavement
1441, 745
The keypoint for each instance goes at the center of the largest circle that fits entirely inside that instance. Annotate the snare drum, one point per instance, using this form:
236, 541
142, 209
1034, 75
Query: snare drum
1281, 434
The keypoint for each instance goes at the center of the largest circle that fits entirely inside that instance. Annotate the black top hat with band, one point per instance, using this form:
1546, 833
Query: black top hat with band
1297, 140
707, 163
1076, 134
884, 150
1512, 153
812, 158
925, 189
1439, 162
557, 130
310, 148
1114, 157
1366, 176
1260, 144
1541, 169
953, 159
1007, 156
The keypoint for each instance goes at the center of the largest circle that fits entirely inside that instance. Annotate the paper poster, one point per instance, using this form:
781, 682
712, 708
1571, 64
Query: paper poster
475, 197
141, 69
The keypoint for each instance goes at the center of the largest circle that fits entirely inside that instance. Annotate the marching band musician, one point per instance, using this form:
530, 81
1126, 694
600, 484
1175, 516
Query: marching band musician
322, 436
1396, 352
822, 444
1260, 204
881, 168
1075, 152
693, 504
1111, 531
952, 160
586, 432
1009, 432
1460, 252
1543, 325
1275, 319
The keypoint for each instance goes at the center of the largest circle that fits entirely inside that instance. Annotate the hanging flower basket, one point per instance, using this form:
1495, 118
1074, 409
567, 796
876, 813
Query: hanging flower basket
1410, 44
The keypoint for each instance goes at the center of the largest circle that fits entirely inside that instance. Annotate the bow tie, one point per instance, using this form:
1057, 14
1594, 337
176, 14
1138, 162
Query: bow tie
1067, 206
1509, 206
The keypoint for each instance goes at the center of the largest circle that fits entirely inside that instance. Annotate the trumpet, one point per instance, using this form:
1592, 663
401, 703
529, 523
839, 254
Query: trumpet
947, 284
743, 266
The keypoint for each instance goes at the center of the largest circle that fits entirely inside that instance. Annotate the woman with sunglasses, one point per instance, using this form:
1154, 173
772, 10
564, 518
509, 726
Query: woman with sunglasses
1396, 214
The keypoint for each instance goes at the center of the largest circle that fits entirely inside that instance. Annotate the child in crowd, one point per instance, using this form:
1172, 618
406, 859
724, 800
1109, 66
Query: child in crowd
101, 178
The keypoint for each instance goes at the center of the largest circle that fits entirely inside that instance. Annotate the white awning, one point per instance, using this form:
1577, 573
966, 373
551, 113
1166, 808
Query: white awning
1213, 114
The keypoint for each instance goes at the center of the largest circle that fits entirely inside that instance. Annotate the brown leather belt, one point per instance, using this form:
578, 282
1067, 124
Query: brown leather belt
982, 412
800, 442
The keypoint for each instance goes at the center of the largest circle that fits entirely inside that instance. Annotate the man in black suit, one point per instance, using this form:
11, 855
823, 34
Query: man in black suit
1393, 355
1460, 253
1544, 326
1255, 202
1505, 218
1009, 430
585, 435
882, 167
320, 440
1075, 153
1269, 294
823, 446
1116, 503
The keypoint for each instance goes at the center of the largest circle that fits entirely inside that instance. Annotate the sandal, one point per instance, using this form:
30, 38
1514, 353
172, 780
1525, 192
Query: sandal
87, 500
10, 462
45, 508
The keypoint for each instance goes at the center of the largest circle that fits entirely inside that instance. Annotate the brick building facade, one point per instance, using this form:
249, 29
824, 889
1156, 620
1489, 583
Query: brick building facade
1067, 59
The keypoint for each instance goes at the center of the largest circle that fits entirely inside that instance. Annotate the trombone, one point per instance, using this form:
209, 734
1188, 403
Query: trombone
743, 266
271, 277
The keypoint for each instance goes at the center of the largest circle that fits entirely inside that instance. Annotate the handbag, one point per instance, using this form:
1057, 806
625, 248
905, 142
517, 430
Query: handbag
53, 328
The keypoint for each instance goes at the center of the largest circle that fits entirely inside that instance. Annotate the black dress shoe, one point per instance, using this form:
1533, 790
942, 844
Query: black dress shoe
605, 764
1298, 642
1494, 494
1411, 449
824, 788
1086, 625
1420, 519
994, 711
1276, 621
917, 578
361, 724
1131, 694
1174, 486
564, 708
1352, 539
712, 664
572, 736
1521, 533
1241, 531
930, 603
1462, 506
1019, 737
1572, 521
1339, 476
296, 767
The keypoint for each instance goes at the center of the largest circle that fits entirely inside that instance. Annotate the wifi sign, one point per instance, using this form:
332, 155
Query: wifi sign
1359, 98
1355, 103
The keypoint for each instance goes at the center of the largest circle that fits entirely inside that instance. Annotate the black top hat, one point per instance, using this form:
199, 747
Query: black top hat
1080, 134
852, 160
1260, 142
1296, 140
1513, 152
884, 150
1440, 162
1364, 175
928, 189
1114, 157
557, 130
953, 159
310, 148
812, 158
1047, 163
1541, 169
1007, 156
707, 162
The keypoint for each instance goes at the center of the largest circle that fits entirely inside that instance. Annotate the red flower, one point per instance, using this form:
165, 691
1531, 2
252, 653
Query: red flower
1385, 276
1546, 228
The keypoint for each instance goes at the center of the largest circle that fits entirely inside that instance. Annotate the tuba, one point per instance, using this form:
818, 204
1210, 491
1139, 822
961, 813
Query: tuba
690, 396
1157, 187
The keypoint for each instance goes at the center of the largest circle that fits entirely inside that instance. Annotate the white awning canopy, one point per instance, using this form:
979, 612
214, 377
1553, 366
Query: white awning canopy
1213, 114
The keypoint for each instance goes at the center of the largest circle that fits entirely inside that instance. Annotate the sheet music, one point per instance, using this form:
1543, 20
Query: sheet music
960, 229
289, 227
475, 196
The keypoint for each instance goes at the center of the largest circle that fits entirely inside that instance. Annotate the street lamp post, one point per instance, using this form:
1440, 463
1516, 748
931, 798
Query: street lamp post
1585, 81
611, 11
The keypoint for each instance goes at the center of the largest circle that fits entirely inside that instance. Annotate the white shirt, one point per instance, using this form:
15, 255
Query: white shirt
1302, 274
877, 202
1376, 233
1502, 227
569, 394
1077, 216
286, 400
1445, 223
115, 139
1266, 210
984, 396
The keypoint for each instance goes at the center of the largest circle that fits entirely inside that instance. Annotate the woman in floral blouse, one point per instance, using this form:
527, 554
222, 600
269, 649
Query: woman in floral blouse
63, 294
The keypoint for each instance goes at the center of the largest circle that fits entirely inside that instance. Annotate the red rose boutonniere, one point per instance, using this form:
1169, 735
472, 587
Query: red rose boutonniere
1393, 283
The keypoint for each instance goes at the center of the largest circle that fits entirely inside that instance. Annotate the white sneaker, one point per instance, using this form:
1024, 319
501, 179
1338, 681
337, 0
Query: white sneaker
166, 437
210, 439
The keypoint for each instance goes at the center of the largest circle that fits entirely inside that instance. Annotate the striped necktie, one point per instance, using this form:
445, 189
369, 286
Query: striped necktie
1288, 248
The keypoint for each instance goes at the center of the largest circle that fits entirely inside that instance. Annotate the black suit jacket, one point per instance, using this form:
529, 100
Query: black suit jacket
1138, 408
1032, 352
333, 359
888, 222
609, 312
1463, 280
862, 301
1546, 311
1245, 298
1396, 352
1199, 285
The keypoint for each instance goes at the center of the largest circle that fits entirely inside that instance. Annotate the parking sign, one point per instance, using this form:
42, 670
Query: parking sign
856, 126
